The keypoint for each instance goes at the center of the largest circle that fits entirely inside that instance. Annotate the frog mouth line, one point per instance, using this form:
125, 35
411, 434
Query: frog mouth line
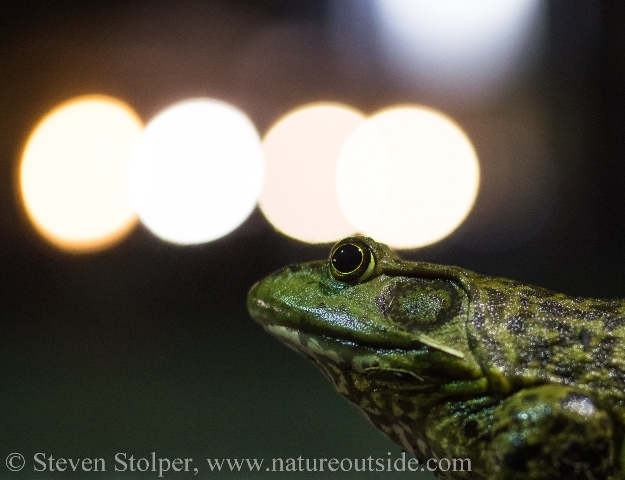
328, 346
335, 349
284, 331
422, 344
295, 336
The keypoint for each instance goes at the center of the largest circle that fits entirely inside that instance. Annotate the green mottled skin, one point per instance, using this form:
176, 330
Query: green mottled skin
524, 382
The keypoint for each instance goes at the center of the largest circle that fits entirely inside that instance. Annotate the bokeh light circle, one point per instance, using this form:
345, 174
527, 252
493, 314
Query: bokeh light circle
197, 171
459, 50
421, 180
73, 173
363, 175
302, 151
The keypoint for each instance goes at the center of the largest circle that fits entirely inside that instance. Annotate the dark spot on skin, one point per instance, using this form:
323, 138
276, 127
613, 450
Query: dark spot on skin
576, 453
478, 321
558, 425
516, 324
469, 429
554, 308
382, 304
497, 350
497, 301
612, 323
585, 337
601, 446
405, 405
525, 302
584, 461
538, 349
322, 305
603, 353
564, 369
566, 331
530, 398
376, 363
518, 458
586, 314
496, 296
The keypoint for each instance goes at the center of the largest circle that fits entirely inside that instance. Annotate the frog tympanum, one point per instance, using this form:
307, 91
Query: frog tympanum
525, 382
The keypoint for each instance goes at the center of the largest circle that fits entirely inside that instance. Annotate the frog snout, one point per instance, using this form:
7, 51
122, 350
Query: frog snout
255, 305
260, 301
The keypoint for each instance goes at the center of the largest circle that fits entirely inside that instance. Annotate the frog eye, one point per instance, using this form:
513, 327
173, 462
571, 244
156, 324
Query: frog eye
350, 260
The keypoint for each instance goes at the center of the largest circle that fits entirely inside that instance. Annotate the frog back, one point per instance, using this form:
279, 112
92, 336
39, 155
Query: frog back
524, 336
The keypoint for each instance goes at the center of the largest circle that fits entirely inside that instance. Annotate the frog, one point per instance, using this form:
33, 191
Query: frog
514, 380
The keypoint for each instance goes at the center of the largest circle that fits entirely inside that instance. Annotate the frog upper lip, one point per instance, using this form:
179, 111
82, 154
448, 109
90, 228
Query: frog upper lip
377, 347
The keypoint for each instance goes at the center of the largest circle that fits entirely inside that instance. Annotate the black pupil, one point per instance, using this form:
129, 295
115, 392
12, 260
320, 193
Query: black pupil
347, 258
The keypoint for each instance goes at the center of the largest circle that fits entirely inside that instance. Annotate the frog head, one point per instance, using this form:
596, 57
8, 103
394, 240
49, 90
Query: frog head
369, 320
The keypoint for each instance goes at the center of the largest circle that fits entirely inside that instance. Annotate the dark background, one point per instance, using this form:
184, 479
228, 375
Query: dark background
147, 346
